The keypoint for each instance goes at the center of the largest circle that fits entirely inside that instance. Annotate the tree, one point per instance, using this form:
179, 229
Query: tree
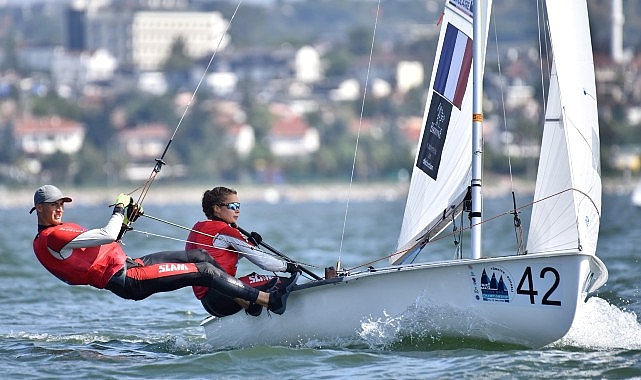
338, 62
10, 60
178, 60
360, 41
177, 65
59, 167
8, 149
52, 104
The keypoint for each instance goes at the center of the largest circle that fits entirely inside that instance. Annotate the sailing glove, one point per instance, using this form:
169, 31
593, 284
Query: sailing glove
121, 202
133, 213
123, 199
255, 238
292, 268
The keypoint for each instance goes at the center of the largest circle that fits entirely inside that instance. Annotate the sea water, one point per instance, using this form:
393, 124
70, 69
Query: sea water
51, 330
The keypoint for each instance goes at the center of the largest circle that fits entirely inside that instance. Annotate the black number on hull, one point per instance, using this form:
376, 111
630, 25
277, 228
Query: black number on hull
526, 286
546, 300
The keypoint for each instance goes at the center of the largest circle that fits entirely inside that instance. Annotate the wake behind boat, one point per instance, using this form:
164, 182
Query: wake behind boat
529, 297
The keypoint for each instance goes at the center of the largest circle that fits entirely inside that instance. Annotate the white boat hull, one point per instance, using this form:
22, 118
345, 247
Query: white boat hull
536, 306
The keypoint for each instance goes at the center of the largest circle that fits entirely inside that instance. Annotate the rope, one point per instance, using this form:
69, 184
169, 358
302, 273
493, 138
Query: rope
358, 135
249, 246
459, 231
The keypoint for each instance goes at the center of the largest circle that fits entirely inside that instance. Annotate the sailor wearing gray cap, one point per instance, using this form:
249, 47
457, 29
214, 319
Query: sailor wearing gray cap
48, 194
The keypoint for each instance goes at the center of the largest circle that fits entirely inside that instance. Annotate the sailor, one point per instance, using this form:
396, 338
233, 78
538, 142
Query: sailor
219, 236
79, 256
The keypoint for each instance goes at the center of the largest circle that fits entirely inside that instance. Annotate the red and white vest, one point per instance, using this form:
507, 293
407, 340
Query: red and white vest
81, 266
204, 239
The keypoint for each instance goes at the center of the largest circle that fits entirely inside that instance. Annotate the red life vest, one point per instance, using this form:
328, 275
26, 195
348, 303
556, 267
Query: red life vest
204, 239
83, 266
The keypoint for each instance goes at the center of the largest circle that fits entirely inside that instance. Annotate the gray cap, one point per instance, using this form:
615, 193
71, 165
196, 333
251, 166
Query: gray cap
48, 193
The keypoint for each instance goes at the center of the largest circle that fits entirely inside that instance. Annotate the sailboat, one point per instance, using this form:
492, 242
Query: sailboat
529, 297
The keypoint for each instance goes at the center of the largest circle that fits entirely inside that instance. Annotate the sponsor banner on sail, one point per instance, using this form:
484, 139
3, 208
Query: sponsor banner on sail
435, 131
465, 6
454, 66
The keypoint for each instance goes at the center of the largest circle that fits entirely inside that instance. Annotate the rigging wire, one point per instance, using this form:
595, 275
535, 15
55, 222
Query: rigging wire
518, 226
484, 221
502, 91
160, 161
358, 133
251, 247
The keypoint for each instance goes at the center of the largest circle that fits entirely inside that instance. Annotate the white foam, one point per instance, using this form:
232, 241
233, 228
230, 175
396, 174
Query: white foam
602, 326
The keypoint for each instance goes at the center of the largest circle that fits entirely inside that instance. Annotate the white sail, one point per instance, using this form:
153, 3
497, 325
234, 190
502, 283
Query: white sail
442, 170
568, 189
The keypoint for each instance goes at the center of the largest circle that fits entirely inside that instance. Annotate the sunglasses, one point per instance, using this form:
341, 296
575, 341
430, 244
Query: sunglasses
231, 206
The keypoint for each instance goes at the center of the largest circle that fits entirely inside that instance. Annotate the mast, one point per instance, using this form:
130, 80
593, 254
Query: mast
477, 128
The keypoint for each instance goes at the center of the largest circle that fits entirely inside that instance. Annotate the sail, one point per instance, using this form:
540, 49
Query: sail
442, 170
566, 213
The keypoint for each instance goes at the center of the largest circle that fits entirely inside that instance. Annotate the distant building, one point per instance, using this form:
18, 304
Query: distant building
68, 71
153, 33
72, 71
349, 90
48, 135
291, 135
242, 138
239, 135
76, 30
101, 66
409, 74
104, 24
153, 82
110, 30
145, 142
308, 65
221, 83
256, 64
142, 145
37, 58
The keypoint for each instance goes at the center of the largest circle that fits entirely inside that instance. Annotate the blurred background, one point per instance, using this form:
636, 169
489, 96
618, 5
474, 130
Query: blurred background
275, 92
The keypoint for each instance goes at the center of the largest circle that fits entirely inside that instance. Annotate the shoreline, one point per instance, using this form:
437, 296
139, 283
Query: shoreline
319, 192
192, 193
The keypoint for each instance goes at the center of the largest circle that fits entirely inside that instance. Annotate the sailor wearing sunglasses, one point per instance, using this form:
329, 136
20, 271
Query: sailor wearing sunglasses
219, 236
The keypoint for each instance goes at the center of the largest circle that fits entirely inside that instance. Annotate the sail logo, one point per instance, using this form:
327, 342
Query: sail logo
495, 285
454, 66
436, 126
433, 140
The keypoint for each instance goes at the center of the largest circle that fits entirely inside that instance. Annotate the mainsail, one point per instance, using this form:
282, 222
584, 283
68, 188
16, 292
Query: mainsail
442, 170
567, 197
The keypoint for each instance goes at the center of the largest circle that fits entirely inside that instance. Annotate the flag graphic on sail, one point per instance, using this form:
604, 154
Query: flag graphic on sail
454, 65
450, 83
